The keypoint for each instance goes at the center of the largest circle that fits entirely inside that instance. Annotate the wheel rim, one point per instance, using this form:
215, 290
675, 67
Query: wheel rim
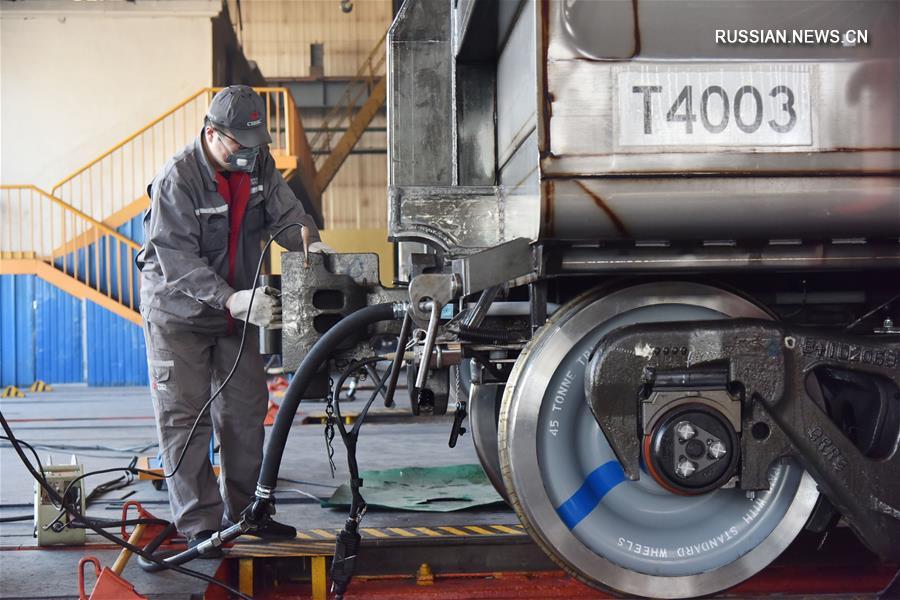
484, 409
571, 494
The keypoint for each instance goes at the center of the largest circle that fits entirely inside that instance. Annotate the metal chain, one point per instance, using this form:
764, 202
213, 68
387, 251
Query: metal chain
329, 425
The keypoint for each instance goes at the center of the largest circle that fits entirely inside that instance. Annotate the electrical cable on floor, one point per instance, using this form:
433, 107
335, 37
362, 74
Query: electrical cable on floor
74, 448
53, 494
37, 458
132, 468
110, 486
15, 518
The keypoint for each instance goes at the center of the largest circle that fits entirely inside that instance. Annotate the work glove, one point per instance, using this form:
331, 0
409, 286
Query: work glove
266, 309
321, 247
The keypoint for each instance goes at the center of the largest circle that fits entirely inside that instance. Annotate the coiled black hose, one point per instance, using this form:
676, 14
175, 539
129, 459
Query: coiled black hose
321, 351
318, 354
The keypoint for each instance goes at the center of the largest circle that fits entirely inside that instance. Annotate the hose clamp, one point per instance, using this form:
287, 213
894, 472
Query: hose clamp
400, 310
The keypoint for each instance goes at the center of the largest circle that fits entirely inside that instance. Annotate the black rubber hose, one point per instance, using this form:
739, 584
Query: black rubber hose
318, 354
321, 351
155, 543
177, 558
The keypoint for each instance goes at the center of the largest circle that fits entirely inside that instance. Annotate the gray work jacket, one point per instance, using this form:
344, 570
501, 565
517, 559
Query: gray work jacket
184, 259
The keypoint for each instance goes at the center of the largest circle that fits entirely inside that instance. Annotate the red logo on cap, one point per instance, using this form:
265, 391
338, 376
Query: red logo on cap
254, 115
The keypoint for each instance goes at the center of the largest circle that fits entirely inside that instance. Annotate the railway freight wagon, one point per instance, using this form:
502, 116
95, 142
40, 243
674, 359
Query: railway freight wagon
651, 248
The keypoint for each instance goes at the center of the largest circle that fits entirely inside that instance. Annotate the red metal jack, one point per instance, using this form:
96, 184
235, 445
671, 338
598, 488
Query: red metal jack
145, 532
110, 585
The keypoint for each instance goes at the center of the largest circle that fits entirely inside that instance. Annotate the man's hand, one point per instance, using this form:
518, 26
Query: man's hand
266, 309
321, 247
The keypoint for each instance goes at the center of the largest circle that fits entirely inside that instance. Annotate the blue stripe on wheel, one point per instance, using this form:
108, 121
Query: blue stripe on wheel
598, 483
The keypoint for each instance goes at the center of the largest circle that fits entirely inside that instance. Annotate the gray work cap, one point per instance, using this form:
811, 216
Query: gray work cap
240, 112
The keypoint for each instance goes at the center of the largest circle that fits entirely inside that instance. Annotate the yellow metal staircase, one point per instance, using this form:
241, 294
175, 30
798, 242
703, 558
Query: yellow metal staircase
112, 187
345, 115
68, 237
42, 235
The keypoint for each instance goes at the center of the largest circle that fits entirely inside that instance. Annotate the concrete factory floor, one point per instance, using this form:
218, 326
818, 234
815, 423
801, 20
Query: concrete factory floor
122, 418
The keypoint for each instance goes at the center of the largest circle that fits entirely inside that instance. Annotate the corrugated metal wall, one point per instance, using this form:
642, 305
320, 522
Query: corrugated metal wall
277, 33
16, 329
117, 353
58, 341
40, 332
47, 334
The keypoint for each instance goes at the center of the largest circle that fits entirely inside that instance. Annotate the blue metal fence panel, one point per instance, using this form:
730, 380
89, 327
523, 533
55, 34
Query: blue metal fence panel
16, 330
57, 335
118, 355
42, 329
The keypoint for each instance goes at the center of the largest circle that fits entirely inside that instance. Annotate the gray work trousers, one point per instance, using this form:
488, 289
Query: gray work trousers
185, 368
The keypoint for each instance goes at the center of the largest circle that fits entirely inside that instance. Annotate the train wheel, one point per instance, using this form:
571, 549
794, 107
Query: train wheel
570, 493
484, 413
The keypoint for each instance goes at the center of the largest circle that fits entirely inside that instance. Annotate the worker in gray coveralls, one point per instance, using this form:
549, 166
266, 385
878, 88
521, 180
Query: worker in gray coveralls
211, 206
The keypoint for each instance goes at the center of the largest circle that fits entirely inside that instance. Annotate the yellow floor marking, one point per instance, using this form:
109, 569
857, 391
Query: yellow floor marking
454, 530
506, 529
323, 533
402, 532
374, 532
428, 532
480, 530
304, 536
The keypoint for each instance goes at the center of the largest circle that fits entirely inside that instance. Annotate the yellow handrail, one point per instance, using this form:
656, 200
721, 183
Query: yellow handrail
82, 250
118, 177
95, 223
146, 127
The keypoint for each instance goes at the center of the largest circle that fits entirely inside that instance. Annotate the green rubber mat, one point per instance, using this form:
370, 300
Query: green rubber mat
422, 489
